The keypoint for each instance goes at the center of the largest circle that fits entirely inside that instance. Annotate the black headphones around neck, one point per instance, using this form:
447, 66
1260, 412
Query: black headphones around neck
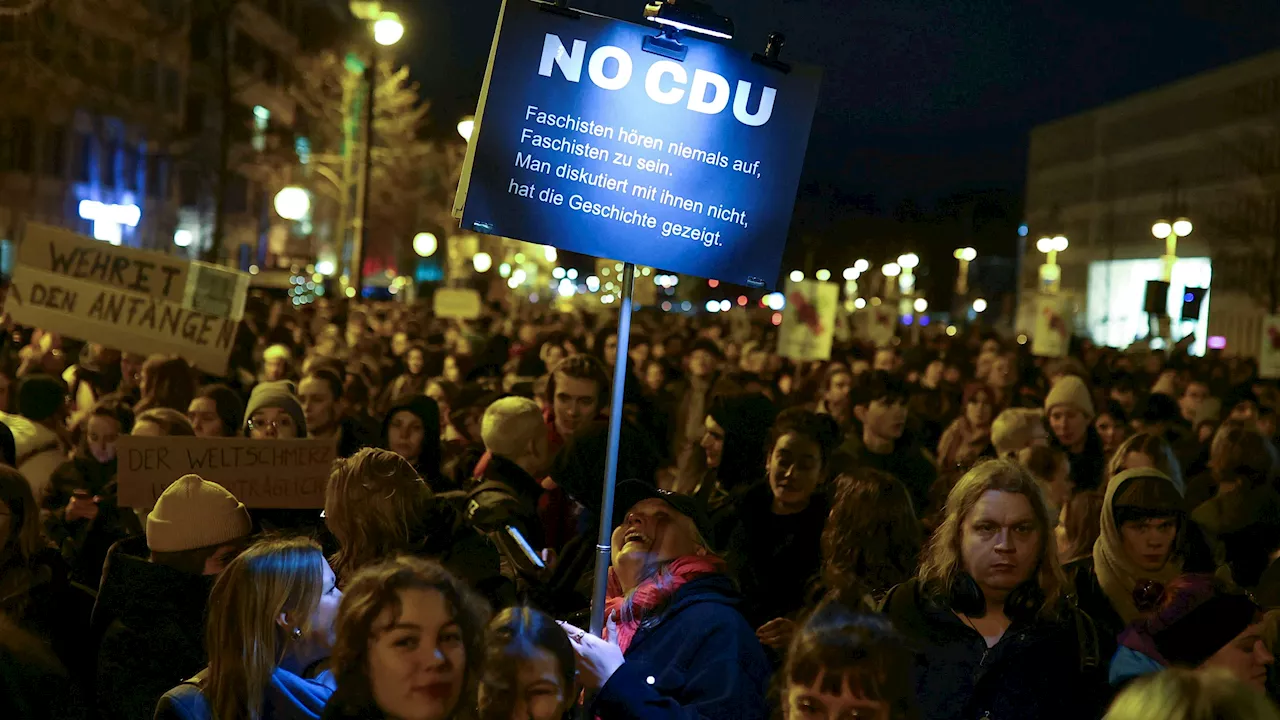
1021, 604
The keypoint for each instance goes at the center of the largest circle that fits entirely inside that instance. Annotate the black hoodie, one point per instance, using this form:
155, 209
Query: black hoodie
152, 618
428, 461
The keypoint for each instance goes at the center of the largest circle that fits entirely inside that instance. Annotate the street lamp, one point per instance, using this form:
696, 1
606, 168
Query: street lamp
465, 126
861, 266
293, 203
921, 305
796, 276
1050, 271
891, 270
482, 261
823, 275
979, 305
965, 256
425, 244
1170, 232
387, 31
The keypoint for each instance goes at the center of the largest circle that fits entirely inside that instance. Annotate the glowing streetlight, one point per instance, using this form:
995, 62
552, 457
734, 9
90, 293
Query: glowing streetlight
823, 275
326, 267
388, 30
482, 261
1170, 232
293, 203
466, 126
183, 238
1050, 272
860, 303
861, 266
850, 273
549, 253
965, 256
920, 305
425, 244
979, 305
891, 270
796, 276
910, 261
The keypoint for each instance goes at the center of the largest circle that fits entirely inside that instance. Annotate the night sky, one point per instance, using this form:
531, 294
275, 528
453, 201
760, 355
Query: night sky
920, 98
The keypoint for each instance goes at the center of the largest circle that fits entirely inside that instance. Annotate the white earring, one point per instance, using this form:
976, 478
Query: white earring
297, 633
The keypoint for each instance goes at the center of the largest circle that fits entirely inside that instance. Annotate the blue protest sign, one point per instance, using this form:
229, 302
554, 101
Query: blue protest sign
586, 142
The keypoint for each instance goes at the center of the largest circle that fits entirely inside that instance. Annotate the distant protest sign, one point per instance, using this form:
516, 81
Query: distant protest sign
808, 320
587, 142
1052, 332
275, 474
882, 324
459, 303
1269, 349
142, 302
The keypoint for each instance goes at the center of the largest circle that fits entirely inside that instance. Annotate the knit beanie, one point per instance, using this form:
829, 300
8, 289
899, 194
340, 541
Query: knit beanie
194, 513
40, 397
280, 395
1070, 390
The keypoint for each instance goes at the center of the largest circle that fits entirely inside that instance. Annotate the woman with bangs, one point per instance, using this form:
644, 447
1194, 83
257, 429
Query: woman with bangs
844, 664
529, 668
988, 612
271, 625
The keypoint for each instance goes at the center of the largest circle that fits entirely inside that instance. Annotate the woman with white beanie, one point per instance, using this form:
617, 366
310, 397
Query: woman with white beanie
1069, 408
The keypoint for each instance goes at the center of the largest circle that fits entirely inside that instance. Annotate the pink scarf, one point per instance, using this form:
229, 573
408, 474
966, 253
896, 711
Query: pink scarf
652, 594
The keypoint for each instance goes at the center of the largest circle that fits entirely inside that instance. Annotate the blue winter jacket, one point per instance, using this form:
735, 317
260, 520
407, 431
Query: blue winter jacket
698, 659
288, 697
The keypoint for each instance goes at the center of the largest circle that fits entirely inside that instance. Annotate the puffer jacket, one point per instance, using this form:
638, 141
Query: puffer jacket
39, 451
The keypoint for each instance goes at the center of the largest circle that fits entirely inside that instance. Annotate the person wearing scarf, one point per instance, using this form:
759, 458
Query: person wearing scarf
674, 644
1146, 542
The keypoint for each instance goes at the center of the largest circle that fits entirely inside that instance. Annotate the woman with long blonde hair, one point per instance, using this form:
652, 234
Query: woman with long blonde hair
987, 609
271, 624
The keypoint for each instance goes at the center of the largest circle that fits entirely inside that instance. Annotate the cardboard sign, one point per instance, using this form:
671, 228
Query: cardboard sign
808, 320
1269, 348
277, 474
882, 324
461, 303
586, 141
126, 299
1052, 331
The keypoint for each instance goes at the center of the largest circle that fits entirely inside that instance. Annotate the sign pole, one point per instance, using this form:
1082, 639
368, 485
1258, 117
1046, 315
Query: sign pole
603, 549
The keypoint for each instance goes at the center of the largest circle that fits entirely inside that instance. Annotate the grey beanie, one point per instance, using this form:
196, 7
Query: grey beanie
281, 395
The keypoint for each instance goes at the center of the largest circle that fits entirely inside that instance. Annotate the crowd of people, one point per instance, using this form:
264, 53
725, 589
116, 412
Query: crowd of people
953, 529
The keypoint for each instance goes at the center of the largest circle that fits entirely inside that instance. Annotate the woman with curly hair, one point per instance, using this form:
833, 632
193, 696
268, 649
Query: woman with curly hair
871, 541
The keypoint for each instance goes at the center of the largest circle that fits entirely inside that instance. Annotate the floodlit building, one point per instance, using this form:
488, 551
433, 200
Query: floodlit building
1206, 148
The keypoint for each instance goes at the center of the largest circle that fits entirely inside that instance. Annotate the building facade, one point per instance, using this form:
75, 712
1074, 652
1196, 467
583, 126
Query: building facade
1206, 148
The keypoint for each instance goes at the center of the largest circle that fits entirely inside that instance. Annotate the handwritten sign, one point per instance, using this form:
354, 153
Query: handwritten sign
128, 299
276, 474
808, 320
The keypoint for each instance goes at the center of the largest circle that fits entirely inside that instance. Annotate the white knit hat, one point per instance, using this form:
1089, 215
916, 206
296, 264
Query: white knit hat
1070, 390
195, 513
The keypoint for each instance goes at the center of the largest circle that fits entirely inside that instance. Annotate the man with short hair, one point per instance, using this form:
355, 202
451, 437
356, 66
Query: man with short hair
578, 388
880, 405
154, 594
520, 454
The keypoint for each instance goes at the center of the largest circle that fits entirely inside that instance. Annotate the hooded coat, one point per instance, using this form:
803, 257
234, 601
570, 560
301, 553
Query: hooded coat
698, 658
152, 619
428, 461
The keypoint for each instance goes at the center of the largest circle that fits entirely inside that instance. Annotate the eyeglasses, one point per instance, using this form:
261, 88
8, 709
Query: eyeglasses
271, 424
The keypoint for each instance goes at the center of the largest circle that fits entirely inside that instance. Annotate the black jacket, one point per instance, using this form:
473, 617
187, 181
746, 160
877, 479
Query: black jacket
775, 558
1089, 465
154, 620
84, 543
1034, 671
908, 463
697, 659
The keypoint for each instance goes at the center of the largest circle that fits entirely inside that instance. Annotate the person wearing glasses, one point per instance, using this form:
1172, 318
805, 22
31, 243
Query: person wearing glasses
274, 413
